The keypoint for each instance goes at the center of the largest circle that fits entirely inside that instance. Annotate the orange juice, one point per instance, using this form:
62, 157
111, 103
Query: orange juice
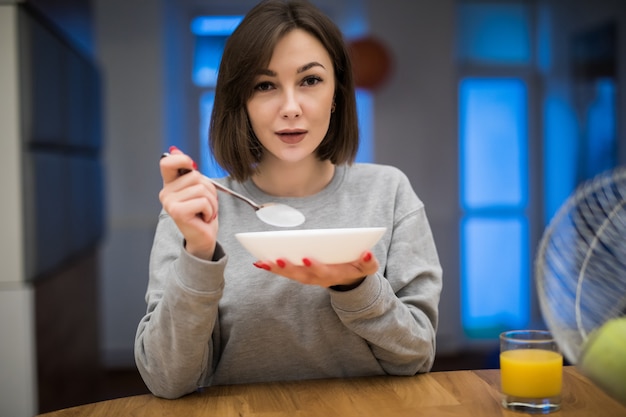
531, 373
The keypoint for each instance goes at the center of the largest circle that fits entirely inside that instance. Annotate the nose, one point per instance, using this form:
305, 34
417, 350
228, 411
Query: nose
290, 108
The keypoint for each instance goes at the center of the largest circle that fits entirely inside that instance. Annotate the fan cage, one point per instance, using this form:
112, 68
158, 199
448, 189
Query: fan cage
580, 267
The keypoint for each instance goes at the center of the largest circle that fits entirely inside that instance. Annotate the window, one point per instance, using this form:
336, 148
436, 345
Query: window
497, 34
494, 42
494, 196
210, 33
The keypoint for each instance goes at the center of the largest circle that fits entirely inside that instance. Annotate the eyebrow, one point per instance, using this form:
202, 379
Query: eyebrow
301, 69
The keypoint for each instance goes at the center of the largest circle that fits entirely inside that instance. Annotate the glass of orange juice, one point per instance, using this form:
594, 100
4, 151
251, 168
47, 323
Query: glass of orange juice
531, 369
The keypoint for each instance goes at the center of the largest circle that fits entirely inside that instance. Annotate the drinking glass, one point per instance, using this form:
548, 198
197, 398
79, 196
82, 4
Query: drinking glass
531, 369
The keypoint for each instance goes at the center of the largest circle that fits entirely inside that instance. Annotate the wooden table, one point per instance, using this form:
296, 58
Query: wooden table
437, 394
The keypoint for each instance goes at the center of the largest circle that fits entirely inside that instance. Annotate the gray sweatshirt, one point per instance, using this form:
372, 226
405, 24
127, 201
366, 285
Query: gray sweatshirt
227, 322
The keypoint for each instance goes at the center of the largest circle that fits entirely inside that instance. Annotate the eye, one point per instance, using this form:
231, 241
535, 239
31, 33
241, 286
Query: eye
311, 81
264, 86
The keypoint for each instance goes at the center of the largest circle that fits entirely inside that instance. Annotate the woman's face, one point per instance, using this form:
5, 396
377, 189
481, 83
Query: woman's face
290, 107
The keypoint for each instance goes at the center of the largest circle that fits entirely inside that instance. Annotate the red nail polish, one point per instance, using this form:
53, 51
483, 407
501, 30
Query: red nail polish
367, 257
262, 265
173, 148
280, 263
306, 261
195, 166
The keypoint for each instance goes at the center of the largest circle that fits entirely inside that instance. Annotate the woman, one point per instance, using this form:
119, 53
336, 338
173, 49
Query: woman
284, 126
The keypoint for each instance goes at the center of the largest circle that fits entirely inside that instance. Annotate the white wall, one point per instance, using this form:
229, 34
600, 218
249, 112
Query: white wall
416, 129
129, 46
18, 365
18, 382
11, 244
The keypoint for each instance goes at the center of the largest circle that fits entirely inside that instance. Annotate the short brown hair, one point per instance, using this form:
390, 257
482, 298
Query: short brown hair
249, 49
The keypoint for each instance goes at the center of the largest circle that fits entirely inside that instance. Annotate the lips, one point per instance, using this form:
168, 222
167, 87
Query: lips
291, 136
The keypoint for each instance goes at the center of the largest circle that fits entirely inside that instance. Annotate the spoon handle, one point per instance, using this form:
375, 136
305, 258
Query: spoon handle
220, 187
234, 194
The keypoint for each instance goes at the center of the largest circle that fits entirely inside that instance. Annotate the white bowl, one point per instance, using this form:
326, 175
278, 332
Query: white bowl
329, 246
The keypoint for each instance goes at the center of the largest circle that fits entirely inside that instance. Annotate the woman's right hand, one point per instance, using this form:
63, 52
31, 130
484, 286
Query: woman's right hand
191, 201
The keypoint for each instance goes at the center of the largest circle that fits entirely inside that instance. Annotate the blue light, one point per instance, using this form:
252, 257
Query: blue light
365, 110
574, 153
207, 56
211, 34
560, 151
493, 166
215, 25
495, 33
493, 142
494, 195
208, 165
601, 134
495, 275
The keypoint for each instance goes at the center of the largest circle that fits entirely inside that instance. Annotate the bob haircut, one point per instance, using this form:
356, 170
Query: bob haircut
248, 50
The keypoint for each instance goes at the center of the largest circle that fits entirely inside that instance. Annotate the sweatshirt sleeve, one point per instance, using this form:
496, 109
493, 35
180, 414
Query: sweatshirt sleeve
396, 311
173, 345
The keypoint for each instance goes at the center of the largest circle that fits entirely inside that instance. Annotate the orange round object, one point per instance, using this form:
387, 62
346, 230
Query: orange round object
371, 62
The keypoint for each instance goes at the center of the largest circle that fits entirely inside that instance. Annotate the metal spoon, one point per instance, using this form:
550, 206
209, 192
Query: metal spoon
275, 214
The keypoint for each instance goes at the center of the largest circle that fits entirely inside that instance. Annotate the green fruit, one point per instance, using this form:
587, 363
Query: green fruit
603, 358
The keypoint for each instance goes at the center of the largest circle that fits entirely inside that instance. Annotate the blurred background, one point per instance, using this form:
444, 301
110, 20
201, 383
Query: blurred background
496, 111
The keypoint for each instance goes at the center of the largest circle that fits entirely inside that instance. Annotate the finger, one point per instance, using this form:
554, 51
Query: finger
189, 209
280, 265
284, 267
201, 209
367, 263
172, 165
204, 200
174, 150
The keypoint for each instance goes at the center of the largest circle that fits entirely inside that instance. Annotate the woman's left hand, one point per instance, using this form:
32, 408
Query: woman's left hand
315, 273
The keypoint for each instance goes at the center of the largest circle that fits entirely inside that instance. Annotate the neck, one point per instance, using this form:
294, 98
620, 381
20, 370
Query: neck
294, 180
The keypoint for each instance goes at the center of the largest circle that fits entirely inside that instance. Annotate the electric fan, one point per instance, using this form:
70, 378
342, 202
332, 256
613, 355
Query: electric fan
580, 272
